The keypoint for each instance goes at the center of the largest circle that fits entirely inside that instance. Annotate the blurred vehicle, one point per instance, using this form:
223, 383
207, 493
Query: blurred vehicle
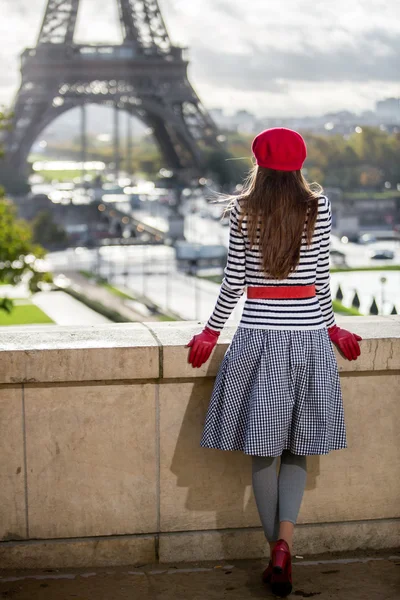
378, 235
366, 238
338, 259
77, 233
382, 255
192, 257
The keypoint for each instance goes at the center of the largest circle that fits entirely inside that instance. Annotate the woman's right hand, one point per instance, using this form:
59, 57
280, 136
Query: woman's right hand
201, 346
346, 341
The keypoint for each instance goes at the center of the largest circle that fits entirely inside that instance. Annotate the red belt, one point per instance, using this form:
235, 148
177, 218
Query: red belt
281, 291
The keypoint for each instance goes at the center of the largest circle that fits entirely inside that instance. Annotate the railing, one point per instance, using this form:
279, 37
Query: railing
111, 51
101, 463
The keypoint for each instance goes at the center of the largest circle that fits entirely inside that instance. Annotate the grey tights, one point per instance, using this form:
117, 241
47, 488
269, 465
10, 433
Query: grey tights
278, 497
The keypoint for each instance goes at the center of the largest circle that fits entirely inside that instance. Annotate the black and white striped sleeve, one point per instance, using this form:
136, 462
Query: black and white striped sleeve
234, 282
322, 282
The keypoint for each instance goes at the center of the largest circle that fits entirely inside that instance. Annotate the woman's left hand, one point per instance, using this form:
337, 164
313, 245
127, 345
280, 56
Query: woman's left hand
346, 341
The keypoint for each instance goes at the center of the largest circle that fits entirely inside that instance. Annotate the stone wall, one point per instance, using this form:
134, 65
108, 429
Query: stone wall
101, 463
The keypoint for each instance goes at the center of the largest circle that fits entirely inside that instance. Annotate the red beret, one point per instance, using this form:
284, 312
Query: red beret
280, 149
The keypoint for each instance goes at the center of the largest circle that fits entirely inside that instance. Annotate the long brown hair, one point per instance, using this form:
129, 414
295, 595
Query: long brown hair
280, 207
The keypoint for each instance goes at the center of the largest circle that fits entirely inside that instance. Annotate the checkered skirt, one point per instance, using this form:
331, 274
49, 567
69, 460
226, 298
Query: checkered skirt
276, 390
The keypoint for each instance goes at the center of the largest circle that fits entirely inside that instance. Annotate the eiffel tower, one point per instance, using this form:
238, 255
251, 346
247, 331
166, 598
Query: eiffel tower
145, 76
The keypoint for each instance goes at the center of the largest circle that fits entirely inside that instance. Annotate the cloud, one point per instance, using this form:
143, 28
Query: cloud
253, 52
265, 67
228, 8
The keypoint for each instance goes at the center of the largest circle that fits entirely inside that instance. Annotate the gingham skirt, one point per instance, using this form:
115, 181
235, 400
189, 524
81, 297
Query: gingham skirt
277, 390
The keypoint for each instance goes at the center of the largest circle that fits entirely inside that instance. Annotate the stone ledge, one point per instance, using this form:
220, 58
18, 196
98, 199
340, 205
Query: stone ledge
380, 348
195, 546
250, 543
63, 354
75, 553
148, 351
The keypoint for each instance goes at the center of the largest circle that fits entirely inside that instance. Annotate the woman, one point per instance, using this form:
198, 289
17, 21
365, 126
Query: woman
277, 392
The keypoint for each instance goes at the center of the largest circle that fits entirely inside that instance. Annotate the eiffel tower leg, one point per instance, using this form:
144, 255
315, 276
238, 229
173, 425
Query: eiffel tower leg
181, 127
176, 142
171, 153
83, 140
30, 118
129, 143
116, 143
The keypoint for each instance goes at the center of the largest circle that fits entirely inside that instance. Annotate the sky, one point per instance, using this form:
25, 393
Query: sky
275, 58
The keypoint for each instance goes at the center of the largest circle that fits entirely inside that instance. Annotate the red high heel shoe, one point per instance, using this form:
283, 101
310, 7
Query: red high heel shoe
281, 580
267, 575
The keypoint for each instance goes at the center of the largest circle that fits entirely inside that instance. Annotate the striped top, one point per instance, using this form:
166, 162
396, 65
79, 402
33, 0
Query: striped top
244, 269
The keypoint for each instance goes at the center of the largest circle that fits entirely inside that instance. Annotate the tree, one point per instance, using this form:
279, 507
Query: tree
224, 168
339, 294
374, 308
363, 160
20, 258
356, 301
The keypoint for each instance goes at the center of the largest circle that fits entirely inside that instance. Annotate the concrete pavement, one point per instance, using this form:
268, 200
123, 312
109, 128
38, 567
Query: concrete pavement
65, 310
132, 311
145, 271
337, 579
151, 272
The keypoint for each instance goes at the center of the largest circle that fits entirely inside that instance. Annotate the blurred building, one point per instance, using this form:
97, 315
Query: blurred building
389, 109
241, 121
386, 116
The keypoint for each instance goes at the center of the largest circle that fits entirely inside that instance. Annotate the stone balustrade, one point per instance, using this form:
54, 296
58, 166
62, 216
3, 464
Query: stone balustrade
101, 463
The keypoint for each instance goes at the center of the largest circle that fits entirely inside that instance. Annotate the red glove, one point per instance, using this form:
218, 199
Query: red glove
201, 346
346, 341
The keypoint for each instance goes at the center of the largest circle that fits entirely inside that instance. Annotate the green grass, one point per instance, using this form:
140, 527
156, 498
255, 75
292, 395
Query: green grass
161, 317
120, 294
99, 307
218, 279
63, 176
213, 278
340, 309
117, 292
87, 274
386, 195
356, 269
24, 314
107, 286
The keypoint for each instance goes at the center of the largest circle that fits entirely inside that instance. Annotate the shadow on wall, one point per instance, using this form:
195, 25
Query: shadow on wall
218, 483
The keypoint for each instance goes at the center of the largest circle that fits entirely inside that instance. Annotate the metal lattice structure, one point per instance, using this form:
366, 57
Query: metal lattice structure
146, 76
